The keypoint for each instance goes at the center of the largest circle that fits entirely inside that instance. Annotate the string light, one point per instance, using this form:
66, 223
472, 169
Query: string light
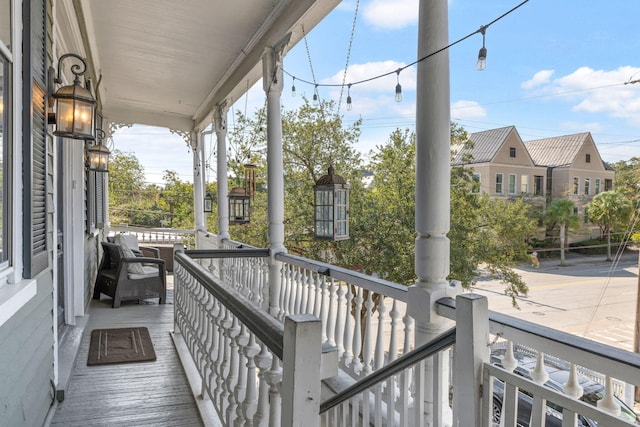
482, 54
293, 88
349, 104
398, 87
481, 64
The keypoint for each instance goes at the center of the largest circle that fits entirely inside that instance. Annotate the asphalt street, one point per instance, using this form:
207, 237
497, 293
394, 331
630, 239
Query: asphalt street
589, 297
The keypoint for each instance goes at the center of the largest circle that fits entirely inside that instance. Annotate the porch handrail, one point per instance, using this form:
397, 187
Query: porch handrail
436, 345
266, 328
249, 252
362, 280
614, 362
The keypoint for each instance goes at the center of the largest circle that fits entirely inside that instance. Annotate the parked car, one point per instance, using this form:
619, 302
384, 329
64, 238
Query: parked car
558, 375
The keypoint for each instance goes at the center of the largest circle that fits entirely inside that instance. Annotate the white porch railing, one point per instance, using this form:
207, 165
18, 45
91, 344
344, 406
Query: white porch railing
167, 236
493, 392
250, 365
368, 343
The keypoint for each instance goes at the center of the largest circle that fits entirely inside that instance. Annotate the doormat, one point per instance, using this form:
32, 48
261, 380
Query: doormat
121, 345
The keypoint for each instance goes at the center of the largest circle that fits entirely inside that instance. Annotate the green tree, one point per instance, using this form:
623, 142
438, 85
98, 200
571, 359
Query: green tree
561, 213
176, 199
628, 179
126, 187
609, 210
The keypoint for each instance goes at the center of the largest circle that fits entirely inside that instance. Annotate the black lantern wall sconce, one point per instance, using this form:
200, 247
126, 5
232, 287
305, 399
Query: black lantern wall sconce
74, 104
97, 155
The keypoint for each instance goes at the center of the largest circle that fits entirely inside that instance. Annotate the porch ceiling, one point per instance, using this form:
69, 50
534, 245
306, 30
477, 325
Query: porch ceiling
167, 62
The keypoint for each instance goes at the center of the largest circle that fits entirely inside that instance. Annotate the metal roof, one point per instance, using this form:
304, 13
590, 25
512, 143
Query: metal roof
485, 146
556, 151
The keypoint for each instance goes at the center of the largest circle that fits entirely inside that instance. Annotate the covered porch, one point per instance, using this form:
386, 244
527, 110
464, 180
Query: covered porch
268, 338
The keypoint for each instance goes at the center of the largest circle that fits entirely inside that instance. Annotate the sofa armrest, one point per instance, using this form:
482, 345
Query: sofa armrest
150, 252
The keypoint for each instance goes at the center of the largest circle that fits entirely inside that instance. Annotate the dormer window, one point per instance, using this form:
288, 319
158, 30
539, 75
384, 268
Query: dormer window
512, 151
588, 158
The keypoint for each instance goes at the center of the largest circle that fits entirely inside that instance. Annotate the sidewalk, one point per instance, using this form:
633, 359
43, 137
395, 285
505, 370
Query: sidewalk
573, 259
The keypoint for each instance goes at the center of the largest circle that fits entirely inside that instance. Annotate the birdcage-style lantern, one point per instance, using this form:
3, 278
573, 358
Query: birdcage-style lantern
208, 203
331, 207
239, 206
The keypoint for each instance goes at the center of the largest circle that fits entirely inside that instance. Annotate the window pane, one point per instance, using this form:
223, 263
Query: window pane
4, 185
5, 22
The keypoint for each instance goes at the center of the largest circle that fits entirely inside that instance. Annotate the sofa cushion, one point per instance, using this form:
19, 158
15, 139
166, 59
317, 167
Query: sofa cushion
148, 271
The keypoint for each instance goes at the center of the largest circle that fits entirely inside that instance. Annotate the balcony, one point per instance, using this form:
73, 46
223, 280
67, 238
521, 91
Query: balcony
278, 342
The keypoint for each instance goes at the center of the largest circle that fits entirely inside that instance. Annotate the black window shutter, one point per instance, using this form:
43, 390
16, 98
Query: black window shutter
34, 139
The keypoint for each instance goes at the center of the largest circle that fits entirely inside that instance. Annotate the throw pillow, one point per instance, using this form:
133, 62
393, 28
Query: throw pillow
133, 268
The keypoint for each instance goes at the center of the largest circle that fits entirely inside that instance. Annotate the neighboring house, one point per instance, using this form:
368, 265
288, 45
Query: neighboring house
501, 164
542, 170
575, 168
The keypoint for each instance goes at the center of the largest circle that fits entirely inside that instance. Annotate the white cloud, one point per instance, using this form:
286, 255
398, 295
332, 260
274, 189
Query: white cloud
370, 70
539, 78
391, 14
467, 110
598, 91
578, 127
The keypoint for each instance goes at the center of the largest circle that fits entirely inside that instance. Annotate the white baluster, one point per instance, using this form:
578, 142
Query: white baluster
321, 284
232, 377
274, 379
572, 387
608, 402
239, 391
347, 334
367, 348
357, 332
539, 374
263, 361
306, 291
379, 357
509, 362
298, 289
330, 315
249, 406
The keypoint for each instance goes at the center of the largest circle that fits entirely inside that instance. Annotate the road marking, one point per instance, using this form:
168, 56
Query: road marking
602, 280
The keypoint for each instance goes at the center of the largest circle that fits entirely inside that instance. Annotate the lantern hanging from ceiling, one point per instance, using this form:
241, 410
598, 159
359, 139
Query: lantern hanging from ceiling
239, 206
331, 207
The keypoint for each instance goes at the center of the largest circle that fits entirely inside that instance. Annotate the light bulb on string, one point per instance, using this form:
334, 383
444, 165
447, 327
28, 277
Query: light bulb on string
349, 104
316, 101
482, 54
293, 88
398, 87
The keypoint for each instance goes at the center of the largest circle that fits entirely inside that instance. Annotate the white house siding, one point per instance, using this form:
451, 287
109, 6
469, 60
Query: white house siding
26, 360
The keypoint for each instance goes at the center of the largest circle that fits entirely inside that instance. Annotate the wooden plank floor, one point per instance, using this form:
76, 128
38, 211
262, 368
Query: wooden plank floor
134, 394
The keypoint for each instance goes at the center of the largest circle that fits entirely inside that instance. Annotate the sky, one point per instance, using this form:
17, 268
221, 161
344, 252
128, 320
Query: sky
553, 68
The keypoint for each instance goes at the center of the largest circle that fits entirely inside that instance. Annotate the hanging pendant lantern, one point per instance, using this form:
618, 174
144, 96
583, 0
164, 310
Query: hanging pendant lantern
208, 203
239, 206
98, 154
331, 207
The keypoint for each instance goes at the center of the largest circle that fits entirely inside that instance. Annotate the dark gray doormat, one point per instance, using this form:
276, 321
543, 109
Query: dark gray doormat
121, 345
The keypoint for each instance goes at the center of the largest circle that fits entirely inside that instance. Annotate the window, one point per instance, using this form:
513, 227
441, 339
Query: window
608, 184
512, 151
587, 158
538, 184
576, 210
512, 184
597, 189
475, 183
576, 185
499, 179
5, 104
587, 186
5, 23
586, 216
524, 184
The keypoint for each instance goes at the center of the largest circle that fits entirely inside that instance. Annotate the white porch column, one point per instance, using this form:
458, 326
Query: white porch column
432, 202
220, 126
198, 190
272, 84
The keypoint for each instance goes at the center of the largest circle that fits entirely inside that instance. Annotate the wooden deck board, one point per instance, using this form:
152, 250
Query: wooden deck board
133, 394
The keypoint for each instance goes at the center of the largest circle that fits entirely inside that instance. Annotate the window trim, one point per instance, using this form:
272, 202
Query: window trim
512, 152
511, 189
598, 186
576, 185
587, 158
587, 186
476, 178
501, 183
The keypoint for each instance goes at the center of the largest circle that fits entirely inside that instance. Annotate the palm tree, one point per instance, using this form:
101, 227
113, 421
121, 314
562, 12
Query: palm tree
561, 213
608, 209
